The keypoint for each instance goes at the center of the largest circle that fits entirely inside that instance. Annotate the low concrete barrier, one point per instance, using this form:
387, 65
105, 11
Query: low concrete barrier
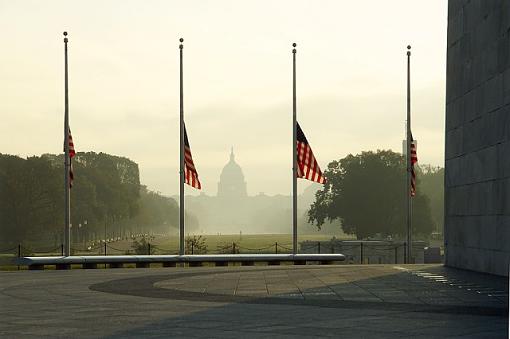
115, 261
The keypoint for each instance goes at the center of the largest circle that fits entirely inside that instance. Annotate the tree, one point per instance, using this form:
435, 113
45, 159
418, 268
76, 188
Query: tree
106, 193
30, 199
432, 185
367, 193
195, 244
157, 212
142, 247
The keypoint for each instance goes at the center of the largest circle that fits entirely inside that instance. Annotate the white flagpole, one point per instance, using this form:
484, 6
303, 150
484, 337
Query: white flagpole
181, 161
408, 161
67, 162
294, 154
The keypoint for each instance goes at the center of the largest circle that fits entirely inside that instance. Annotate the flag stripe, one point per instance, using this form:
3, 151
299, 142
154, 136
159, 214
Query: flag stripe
414, 160
190, 172
307, 165
72, 153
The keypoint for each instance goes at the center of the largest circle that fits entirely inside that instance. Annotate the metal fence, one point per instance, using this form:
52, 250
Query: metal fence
356, 252
367, 251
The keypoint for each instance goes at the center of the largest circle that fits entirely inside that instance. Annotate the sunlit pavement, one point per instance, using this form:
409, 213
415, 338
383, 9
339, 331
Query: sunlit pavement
351, 301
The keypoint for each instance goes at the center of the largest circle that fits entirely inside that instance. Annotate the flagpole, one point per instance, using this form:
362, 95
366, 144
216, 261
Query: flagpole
408, 161
294, 154
67, 163
181, 154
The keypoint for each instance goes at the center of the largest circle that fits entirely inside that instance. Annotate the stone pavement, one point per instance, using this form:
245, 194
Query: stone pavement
349, 301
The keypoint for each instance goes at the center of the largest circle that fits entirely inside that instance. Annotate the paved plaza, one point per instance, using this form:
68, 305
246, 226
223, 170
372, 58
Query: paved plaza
349, 301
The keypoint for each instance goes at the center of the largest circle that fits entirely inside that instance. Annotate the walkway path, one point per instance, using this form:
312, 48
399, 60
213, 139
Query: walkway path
287, 301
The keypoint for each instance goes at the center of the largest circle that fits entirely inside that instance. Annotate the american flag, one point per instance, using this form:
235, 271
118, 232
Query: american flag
190, 172
414, 160
307, 168
72, 153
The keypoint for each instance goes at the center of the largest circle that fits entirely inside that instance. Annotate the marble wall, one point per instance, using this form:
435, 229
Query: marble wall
477, 153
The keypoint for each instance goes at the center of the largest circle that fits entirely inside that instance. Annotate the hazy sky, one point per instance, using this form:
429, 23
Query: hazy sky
124, 81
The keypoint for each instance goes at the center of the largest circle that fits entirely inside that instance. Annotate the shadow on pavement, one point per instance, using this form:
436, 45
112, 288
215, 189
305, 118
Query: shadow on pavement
435, 301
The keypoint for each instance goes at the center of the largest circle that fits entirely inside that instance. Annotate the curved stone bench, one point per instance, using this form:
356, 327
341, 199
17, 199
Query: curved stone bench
116, 261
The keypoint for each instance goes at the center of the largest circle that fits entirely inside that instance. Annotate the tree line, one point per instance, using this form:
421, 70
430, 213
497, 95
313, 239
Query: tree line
106, 200
367, 193
364, 195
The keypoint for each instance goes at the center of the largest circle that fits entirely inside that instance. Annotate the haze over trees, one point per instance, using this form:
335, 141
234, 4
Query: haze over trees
432, 184
367, 193
364, 197
106, 195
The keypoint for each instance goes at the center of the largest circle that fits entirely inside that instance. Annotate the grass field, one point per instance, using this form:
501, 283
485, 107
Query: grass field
246, 243
263, 243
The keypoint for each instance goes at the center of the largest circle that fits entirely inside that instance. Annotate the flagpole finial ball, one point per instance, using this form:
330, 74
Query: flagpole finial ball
181, 40
294, 45
65, 33
408, 46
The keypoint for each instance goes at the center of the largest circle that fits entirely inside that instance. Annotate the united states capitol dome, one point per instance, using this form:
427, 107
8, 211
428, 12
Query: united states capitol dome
232, 184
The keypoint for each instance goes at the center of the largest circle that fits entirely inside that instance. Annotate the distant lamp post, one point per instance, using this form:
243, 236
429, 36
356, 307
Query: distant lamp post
78, 233
85, 222
70, 234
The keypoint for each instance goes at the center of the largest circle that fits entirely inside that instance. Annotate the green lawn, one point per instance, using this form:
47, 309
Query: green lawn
248, 243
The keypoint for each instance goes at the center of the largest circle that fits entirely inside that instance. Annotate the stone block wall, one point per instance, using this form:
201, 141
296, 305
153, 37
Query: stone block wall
477, 153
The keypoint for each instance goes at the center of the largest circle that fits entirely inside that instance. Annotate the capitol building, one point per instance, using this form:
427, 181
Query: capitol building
232, 184
232, 210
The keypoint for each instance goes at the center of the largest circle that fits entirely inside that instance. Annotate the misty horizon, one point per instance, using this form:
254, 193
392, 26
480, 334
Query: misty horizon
123, 73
